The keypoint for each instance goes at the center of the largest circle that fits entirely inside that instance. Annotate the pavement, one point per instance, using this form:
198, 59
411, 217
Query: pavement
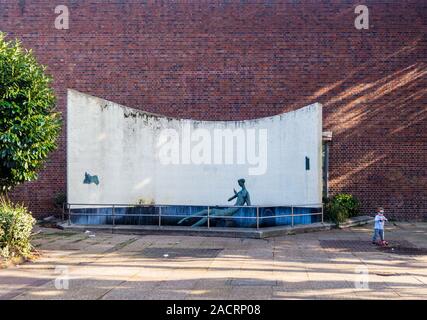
333, 264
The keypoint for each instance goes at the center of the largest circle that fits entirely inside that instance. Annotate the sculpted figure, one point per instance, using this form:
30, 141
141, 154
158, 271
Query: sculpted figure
242, 199
242, 196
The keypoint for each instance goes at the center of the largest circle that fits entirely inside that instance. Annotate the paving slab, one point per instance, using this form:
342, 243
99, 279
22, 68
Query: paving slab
329, 264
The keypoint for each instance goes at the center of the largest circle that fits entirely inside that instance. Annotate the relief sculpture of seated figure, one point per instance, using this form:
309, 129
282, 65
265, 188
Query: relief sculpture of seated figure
242, 199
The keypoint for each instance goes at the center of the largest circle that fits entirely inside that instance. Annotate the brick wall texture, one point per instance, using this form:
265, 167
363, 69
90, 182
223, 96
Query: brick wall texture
224, 60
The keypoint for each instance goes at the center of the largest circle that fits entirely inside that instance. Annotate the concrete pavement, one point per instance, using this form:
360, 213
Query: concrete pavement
334, 264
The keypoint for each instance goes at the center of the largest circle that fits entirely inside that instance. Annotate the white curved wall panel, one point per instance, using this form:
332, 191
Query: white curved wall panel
136, 155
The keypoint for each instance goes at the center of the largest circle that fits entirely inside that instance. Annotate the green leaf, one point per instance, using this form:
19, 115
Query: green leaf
29, 124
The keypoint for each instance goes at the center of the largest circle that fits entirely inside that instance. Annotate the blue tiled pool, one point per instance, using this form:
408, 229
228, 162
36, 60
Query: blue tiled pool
170, 215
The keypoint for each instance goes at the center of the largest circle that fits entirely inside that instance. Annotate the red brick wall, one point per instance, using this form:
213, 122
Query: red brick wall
237, 60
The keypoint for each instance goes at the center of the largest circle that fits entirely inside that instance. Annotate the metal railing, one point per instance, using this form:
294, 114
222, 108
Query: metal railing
209, 216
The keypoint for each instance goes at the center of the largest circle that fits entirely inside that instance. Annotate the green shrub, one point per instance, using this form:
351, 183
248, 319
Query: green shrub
341, 207
16, 224
335, 212
59, 199
349, 202
29, 125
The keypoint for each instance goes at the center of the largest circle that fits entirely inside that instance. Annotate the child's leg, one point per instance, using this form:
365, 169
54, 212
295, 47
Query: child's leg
381, 232
374, 237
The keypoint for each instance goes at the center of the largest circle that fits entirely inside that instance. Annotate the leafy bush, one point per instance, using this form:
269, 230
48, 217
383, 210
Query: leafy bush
59, 199
349, 202
16, 224
335, 212
341, 207
29, 125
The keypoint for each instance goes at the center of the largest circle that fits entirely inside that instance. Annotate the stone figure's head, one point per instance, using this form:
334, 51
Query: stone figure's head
241, 182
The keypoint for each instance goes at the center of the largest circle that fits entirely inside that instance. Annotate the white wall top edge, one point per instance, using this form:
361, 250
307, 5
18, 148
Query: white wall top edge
143, 112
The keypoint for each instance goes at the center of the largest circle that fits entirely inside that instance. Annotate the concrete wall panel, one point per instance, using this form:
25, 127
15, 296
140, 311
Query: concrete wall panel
127, 150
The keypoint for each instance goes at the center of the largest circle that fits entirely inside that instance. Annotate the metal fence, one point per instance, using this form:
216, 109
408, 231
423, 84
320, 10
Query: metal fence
160, 217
